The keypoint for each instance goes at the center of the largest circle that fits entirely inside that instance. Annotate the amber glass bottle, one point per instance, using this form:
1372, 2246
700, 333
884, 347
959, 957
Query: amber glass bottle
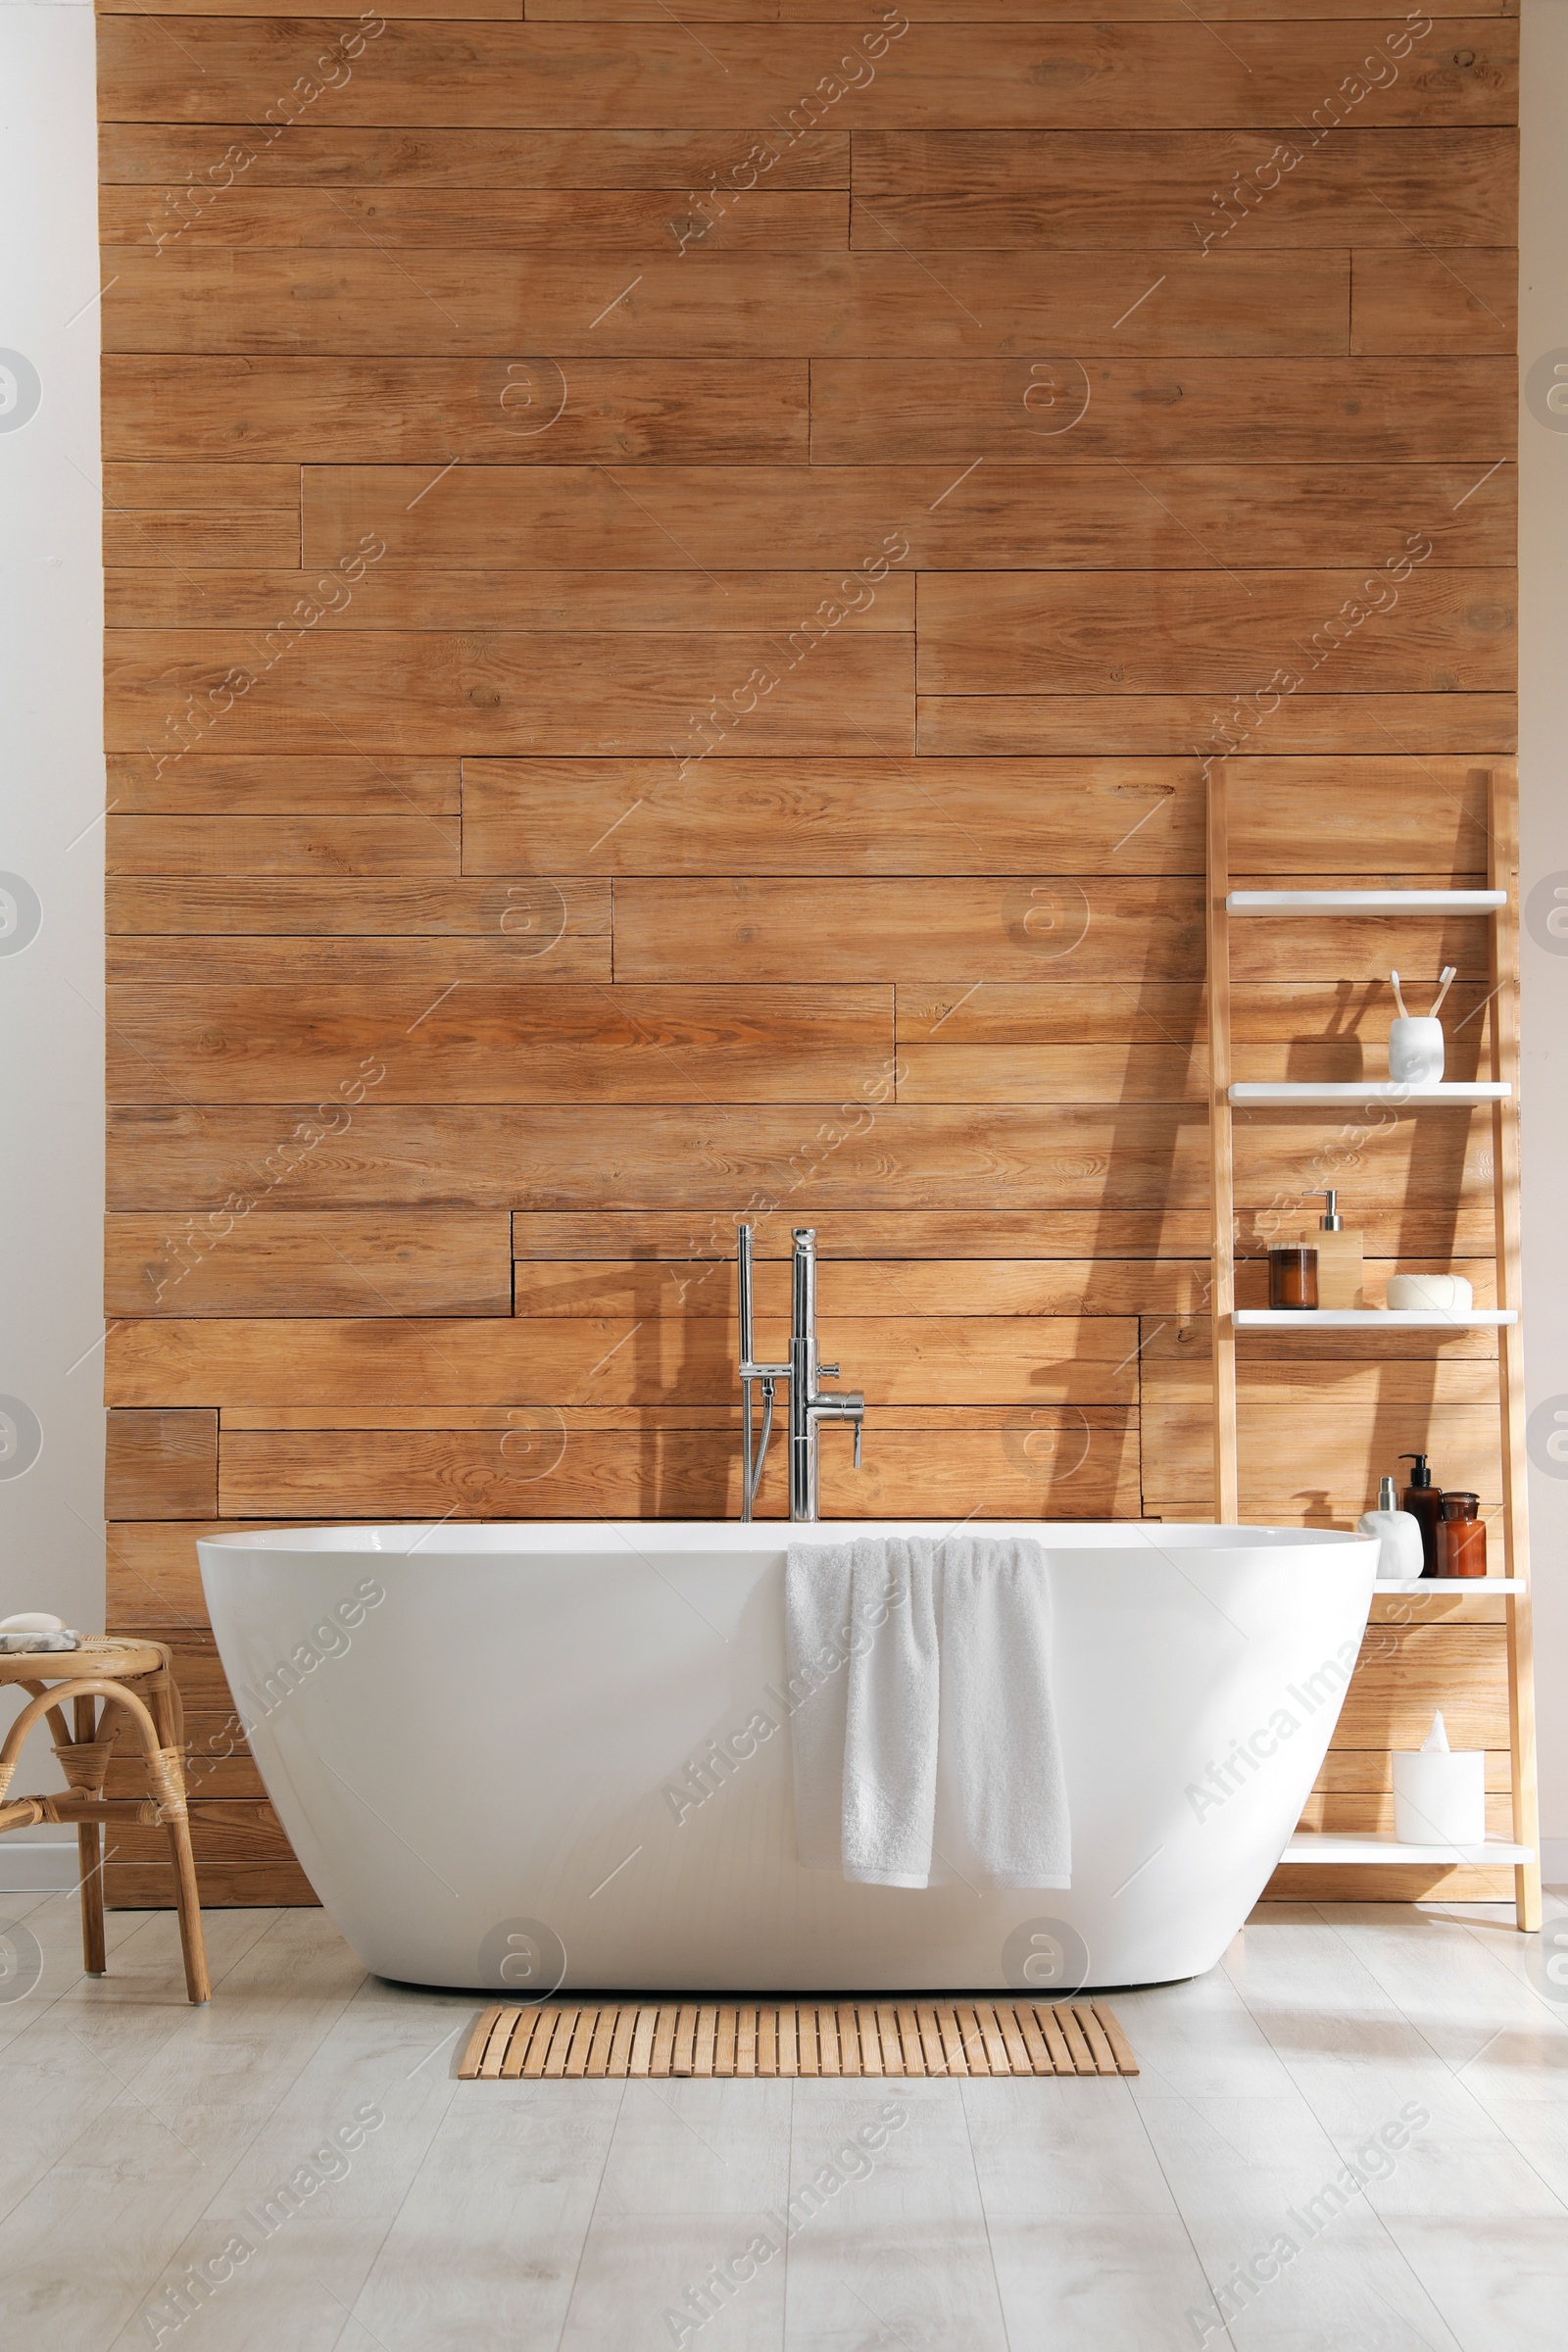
1461, 1536
1291, 1275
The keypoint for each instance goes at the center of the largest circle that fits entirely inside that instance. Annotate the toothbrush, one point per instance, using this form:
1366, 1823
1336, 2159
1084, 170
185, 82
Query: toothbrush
1397, 998
1446, 976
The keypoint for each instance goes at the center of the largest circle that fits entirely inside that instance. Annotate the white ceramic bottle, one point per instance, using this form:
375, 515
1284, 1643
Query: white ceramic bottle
1400, 1531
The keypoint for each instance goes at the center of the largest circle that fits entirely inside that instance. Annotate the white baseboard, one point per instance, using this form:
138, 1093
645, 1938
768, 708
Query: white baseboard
45, 1868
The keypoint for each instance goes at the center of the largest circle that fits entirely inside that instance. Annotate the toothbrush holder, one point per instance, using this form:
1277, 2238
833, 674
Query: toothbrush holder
1416, 1050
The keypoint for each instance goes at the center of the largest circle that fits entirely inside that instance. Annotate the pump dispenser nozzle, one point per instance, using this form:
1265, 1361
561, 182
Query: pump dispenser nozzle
1421, 1475
1330, 1221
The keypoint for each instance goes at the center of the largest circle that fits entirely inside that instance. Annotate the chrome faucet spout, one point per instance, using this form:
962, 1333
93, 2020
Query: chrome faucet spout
810, 1406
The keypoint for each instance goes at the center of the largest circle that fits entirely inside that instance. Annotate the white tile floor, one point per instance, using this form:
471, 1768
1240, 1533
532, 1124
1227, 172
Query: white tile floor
139, 2138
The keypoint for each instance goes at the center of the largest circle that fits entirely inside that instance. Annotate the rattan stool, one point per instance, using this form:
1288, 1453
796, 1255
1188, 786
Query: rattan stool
135, 1678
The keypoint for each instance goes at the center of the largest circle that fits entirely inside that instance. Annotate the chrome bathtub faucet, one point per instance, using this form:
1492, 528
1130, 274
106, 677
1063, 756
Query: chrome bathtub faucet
810, 1406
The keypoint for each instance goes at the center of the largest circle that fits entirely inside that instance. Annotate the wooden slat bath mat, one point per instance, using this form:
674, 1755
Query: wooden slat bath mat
620, 2038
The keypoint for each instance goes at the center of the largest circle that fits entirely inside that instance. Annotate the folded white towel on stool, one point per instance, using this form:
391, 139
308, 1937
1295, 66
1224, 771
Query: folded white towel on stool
906, 1742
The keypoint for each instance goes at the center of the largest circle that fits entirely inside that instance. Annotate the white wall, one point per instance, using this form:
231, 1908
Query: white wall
1544, 786
51, 791
51, 835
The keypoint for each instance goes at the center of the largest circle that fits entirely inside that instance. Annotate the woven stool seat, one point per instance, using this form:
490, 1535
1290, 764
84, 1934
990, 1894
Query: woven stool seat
117, 1689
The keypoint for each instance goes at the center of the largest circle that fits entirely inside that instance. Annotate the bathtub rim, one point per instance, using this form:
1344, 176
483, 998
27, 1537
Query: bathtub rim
491, 1538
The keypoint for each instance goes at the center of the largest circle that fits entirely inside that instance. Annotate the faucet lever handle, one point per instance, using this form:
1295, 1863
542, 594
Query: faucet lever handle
859, 1425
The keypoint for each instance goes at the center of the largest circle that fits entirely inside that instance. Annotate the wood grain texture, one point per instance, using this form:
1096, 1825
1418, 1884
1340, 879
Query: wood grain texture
1028, 1471
1396, 1883
530, 922
707, 305
783, 12
200, 846
241, 1885
404, 596
325, 153
946, 816
195, 488
277, 1263
486, 1045
513, 411
409, 692
778, 1158
153, 1577
202, 540
910, 928
1298, 1024
528, 950
1432, 300
1345, 1463
610, 221
882, 1287
1070, 412
1031, 633
1370, 187
617, 1234
761, 772
983, 726
954, 515
222, 1830
227, 786
543, 77
537, 1365
161, 1464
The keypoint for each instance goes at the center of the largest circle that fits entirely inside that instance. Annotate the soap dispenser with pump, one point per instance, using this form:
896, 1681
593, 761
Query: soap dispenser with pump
1424, 1503
1338, 1257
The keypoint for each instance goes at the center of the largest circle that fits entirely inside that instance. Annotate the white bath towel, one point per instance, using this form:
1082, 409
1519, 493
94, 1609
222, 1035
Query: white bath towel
906, 1742
1002, 1794
861, 1641
816, 1635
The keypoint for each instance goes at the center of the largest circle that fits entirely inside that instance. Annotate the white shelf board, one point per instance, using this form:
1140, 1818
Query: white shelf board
1369, 1848
1370, 1091
1386, 1318
1365, 902
1450, 1584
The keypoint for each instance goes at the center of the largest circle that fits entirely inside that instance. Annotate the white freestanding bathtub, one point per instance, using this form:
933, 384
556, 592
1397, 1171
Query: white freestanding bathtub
516, 1755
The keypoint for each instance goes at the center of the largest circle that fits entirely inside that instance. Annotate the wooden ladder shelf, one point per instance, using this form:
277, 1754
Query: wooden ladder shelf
1498, 905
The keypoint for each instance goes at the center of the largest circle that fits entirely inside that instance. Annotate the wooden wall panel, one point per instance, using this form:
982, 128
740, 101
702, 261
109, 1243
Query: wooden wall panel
1056, 509
1366, 187
327, 154
397, 691
609, 411
658, 603
529, 1043
224, 786
163, 1461
1463, 71
971, 725
1031, 633
1141, 411
711, 305
278, 1262
663, 633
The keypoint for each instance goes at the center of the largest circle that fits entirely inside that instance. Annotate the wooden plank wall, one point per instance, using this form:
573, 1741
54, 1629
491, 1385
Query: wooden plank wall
670, 581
